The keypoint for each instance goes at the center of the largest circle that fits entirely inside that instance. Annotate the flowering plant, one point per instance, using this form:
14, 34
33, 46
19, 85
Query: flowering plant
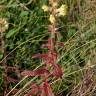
49, 58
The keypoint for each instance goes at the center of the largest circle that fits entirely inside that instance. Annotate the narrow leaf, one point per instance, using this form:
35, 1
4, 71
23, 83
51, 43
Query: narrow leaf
61, 44
11, 33
12, 80
40, 56
57, 71
47, 91
38, 72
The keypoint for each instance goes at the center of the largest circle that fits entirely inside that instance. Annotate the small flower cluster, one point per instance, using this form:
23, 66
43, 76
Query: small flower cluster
3, 25
61, 11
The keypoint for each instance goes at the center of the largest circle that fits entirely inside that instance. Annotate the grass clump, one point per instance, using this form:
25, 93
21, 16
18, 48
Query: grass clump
24, 27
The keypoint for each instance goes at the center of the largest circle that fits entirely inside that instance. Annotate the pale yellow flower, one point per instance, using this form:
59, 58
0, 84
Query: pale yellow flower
52, 19
45, 8
3, 25
62, 11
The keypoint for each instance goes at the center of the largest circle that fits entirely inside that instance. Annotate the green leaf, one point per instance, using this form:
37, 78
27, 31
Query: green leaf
24, 14
71, 32
1, 76
1, 55
1, 81
11, 33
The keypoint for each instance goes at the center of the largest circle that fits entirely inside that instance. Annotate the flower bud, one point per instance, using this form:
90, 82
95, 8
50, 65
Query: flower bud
45, 8
62, 11
52, 19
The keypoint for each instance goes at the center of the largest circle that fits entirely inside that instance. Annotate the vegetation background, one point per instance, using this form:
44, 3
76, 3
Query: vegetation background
27, 27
